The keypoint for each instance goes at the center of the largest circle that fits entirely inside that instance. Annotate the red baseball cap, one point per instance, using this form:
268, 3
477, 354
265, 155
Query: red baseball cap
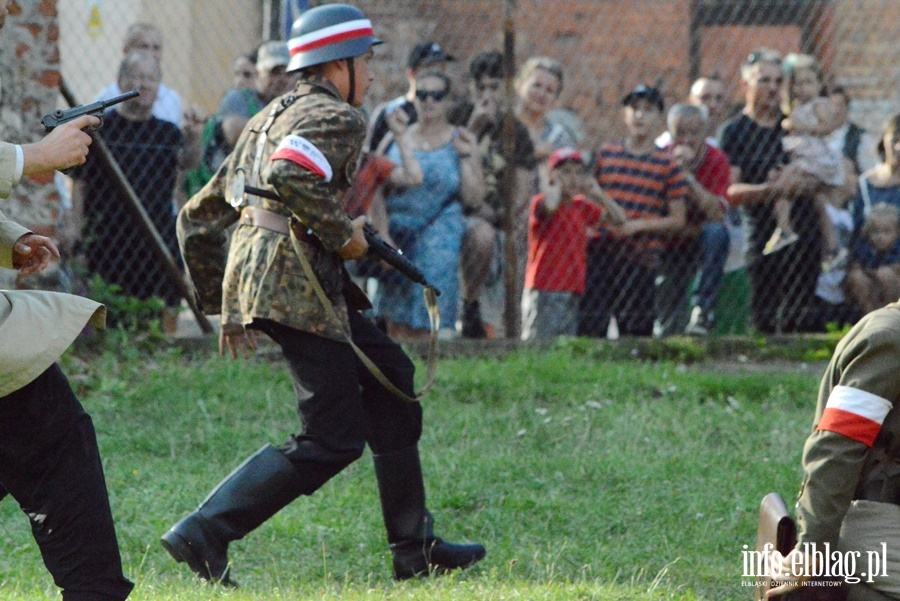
562, 155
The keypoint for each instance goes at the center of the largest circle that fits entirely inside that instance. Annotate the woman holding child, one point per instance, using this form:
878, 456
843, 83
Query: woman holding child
873, 279
424, 218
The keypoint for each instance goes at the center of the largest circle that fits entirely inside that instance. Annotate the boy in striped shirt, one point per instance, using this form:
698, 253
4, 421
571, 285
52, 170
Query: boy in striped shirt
623, 260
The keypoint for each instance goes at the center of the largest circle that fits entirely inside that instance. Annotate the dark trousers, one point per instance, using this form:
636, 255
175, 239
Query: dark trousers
707, 252
677, 270
616, 284
50, 464
714, 241
783, 286
341, 405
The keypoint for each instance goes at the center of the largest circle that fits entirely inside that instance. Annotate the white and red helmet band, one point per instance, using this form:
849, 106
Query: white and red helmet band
335, 34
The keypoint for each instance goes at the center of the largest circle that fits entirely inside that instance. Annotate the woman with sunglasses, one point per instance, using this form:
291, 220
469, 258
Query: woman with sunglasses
426, 220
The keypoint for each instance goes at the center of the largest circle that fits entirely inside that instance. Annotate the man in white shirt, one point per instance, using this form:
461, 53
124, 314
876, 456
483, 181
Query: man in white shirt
857, 144
143, 36
708, 92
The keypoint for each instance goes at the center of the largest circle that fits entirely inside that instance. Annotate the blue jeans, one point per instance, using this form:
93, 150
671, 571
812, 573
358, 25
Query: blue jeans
714, 248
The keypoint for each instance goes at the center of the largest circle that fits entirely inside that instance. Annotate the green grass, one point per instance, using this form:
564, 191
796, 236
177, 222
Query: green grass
585, 478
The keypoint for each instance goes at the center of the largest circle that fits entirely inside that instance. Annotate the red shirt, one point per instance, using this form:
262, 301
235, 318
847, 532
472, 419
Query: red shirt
714, 174
557, 245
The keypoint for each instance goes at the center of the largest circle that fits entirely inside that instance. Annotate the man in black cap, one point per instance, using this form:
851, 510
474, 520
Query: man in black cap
650, 187
427, 55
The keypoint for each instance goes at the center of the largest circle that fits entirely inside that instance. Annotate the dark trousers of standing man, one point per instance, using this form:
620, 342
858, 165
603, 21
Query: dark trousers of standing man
50, 464
783, 284
618, 284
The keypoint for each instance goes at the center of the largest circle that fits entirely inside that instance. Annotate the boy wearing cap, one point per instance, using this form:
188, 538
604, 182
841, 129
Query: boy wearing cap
424, 56
557, 242
622, 261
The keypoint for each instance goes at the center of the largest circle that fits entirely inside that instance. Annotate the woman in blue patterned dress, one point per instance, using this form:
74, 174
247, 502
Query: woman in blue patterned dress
426, 221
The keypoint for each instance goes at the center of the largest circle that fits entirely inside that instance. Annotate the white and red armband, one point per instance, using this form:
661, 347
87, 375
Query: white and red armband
854, 413
301, 151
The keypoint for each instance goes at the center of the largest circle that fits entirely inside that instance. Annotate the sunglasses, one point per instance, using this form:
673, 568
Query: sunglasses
436, 95
759, 56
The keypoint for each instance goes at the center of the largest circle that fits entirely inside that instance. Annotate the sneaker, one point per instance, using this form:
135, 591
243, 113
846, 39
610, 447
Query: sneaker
472, 326
779, 240
700, 324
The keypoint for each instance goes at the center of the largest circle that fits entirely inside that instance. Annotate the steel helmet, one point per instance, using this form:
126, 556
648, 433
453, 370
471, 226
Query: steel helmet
329, 33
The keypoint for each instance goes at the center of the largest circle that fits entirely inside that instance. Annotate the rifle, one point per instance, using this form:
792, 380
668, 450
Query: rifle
59, 116
377, 246
395, 258
777, 531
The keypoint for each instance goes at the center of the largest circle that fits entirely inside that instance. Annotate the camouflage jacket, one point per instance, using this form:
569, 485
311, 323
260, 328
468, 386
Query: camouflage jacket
309, 159
854, 450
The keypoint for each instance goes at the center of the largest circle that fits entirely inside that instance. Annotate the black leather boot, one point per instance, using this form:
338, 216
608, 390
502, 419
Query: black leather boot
410, 528
250, 495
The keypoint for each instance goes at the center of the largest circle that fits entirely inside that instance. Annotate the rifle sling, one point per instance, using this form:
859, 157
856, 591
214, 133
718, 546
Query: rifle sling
434, 316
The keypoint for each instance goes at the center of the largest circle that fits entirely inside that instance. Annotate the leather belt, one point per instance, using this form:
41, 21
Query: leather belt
265, 219
269, 220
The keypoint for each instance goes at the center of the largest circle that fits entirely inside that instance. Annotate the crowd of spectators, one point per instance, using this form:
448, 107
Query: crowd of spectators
763, 217
779, 215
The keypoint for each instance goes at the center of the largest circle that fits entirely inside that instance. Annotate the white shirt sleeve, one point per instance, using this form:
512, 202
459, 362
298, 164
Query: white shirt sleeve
20, 165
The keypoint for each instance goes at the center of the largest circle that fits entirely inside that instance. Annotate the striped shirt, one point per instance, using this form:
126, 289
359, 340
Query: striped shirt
643, 185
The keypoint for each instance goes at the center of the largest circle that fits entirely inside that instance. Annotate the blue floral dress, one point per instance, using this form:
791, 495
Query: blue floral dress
427, 223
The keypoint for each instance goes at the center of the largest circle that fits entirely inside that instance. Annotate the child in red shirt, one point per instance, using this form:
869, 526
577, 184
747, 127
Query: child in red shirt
557, 246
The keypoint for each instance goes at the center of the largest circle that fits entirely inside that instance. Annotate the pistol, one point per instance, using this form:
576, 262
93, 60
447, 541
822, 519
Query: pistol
60, 116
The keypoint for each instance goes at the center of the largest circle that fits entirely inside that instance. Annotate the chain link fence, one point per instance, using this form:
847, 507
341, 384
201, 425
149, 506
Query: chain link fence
673, 240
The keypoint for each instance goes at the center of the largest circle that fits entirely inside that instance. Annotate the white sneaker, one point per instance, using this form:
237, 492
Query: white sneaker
700, 323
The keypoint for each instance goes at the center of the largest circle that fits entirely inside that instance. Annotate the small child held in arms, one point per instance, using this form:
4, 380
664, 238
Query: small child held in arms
811, 117
873, 279
557, 246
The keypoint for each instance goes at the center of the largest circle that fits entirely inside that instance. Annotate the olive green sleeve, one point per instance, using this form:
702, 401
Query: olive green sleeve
865, 366
202, 238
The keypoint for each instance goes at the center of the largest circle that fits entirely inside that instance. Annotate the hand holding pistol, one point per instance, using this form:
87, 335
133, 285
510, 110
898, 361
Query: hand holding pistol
58, 117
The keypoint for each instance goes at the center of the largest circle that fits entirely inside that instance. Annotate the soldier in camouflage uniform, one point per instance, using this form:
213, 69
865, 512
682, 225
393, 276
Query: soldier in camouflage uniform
850, 499
307, 154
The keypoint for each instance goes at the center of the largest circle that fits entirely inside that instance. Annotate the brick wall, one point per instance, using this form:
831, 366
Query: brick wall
609, 46
29, 64
867, 56
30, 67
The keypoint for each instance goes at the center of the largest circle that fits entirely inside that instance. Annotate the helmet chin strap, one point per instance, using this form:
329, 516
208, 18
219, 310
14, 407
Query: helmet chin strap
351, 66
